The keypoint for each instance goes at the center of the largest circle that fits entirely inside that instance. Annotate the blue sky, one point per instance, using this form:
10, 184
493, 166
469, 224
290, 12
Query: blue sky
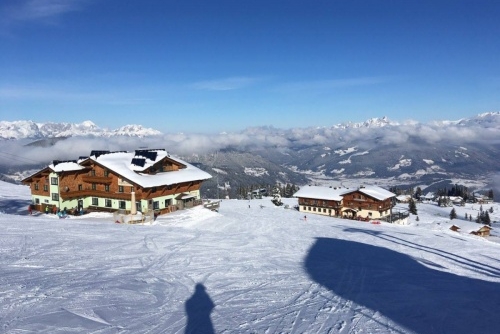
211, 66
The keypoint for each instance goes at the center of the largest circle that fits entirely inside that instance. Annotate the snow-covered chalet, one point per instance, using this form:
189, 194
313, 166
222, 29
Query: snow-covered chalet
363, 202
150, 179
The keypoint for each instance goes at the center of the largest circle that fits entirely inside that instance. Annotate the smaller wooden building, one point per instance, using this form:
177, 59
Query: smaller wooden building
363, 202
483, 231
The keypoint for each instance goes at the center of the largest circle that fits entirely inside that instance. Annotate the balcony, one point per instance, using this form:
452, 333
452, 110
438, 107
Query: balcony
67, 195
97, 179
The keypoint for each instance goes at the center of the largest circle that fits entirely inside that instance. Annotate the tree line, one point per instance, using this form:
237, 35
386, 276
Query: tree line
285, 190
457, 190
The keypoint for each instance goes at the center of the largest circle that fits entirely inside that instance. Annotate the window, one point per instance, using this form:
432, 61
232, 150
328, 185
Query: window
80, 187
37, 201
55, 197
36, 186
107, 203
156, 205
122, 204
45, 187
94, 186
106, 187
92, 172
168, 202
131, 189
95, 201
120, 189
53, 181
106, 173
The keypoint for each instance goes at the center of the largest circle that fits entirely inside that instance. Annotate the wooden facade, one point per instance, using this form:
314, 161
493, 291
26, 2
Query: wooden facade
321, 206
89, 185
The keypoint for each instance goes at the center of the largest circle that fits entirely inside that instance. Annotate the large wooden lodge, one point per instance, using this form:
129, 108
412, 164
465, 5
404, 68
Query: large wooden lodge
364, 202
150, 179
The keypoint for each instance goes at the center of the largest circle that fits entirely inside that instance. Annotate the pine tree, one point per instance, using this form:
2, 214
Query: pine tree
453, 214
288, 190
486, 218
417, 219
418, 193
412, 207
490, 194
491, 209
466, 216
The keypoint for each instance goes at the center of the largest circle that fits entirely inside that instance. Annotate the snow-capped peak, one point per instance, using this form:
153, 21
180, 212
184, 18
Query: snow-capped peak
30, 129
370, 123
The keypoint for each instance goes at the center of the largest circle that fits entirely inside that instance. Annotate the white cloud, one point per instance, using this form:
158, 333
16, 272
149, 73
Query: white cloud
46, 11
15, 153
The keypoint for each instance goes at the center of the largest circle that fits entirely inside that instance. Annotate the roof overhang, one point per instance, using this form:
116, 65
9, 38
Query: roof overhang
185, 196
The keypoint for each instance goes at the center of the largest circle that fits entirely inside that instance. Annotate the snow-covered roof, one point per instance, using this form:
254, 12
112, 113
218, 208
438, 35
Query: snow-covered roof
337, 194
65, 166
318, 192
403, 197
376, 192
121, 163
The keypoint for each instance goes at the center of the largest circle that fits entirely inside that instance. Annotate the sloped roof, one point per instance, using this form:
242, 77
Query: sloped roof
65, 166
317, 192
57, 166
336, 194
376, 192
121, 163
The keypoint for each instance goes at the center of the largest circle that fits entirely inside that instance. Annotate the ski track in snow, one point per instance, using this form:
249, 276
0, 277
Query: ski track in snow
90, 275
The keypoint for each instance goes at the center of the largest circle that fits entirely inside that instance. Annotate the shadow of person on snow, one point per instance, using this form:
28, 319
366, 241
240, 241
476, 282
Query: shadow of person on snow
198, 309
414, 296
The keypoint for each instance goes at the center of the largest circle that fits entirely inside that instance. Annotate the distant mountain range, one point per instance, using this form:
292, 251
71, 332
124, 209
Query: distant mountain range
376, 151
33, 130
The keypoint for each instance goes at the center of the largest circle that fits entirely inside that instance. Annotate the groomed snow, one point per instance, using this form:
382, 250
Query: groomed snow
246, 269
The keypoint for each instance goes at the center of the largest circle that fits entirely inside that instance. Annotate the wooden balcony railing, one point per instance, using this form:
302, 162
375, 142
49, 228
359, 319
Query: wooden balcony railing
65, 195
97, 179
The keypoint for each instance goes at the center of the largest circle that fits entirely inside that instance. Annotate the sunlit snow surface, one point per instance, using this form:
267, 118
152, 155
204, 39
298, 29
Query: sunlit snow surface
246, 269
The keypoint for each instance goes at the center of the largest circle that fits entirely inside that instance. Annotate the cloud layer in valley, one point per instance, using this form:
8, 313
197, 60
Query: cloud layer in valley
16, 152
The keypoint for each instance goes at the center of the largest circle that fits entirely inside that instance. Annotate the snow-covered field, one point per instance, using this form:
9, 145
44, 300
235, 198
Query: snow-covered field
246, 269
